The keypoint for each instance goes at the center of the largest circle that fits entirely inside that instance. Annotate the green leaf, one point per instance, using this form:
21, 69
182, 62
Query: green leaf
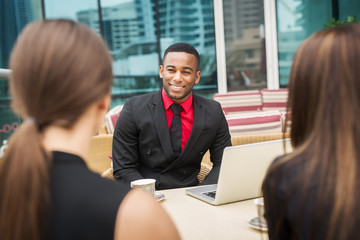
337, 22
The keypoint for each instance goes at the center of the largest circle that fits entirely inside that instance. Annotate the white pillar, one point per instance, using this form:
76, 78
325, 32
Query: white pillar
272, 61
220, 46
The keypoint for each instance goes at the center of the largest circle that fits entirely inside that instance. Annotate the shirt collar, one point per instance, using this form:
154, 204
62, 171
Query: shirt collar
186, 105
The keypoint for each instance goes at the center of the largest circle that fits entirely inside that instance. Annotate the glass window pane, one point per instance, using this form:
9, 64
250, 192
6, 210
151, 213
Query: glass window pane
349, 8
14, 15
192, 22
129, 31
297, 20
74, 10
244, 44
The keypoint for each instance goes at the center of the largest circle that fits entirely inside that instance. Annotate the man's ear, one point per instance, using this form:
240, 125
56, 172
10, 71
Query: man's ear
161, 71
197, 77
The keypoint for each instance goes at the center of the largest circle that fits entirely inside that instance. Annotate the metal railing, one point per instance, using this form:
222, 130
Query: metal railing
9, 120
4, 73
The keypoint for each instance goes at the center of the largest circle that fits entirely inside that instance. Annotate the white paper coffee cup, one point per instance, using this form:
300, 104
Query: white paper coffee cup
260, 209
147, 185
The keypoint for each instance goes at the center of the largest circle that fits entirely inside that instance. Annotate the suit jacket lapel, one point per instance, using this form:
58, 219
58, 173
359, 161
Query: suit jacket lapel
159, 117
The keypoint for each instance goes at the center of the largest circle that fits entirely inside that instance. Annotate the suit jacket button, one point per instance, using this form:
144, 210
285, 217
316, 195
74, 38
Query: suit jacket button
148, 152
201, 153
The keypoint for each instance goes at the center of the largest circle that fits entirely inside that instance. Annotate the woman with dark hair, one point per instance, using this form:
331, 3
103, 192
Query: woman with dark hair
60, 84
313, 193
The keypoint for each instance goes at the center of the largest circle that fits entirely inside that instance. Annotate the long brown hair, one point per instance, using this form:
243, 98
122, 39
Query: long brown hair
324, 100
59, 68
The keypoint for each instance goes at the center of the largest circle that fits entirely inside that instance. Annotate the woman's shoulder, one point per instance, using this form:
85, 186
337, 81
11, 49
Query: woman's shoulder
70, 177
141, 209
287, 163
284, 171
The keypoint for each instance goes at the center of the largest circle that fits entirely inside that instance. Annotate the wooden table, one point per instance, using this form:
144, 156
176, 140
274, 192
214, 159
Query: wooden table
198, 220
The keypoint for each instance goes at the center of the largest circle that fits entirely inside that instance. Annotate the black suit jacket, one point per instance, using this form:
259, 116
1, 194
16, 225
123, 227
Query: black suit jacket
142, 146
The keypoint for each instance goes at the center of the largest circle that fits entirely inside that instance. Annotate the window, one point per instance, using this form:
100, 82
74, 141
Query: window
244, 44
296, 20
349, 8
187, 28
14, 15
75, 10
130, 29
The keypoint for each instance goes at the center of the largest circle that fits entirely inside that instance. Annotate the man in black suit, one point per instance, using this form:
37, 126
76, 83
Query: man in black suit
153, 140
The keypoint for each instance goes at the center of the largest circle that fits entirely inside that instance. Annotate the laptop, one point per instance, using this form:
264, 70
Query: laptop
242, 171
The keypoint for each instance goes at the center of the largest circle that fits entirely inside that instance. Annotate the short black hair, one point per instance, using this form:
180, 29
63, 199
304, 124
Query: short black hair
183, 47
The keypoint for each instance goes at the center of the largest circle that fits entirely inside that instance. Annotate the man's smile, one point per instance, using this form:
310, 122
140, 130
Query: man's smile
176, 87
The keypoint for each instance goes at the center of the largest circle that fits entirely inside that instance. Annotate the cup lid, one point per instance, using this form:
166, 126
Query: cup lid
259, 201
143, 181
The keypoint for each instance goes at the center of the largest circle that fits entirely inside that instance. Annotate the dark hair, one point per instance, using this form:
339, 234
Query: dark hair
183, 47
324, 101
59, 68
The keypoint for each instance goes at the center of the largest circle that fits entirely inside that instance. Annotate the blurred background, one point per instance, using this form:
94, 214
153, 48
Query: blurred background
243, 44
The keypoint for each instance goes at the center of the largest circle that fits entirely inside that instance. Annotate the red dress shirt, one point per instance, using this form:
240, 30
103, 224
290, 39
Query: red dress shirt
186, 116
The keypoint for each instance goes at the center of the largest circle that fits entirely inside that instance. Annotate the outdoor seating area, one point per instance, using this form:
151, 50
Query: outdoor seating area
246, 126
149, 119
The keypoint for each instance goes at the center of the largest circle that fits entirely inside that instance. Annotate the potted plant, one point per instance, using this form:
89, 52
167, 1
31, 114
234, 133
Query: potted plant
337, 22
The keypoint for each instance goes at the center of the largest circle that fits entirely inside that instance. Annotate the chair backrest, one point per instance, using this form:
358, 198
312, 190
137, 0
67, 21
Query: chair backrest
255, 123
98, 157
286, 121
239, 102
252, 100
111, 118
274, 99
108, 173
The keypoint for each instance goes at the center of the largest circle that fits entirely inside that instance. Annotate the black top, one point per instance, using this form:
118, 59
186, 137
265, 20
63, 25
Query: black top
292, 211
84, 205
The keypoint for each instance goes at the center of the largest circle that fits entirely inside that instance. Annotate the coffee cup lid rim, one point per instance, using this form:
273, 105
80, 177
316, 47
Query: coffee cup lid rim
143, 181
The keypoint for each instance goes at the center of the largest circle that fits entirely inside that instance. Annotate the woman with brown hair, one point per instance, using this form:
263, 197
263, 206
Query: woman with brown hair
313, 193
60, 84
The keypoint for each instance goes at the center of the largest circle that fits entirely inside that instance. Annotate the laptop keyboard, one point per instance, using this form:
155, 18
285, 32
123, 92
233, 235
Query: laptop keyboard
210, 194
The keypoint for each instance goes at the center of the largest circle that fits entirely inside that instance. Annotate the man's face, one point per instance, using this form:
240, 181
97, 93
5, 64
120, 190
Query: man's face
179, 73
